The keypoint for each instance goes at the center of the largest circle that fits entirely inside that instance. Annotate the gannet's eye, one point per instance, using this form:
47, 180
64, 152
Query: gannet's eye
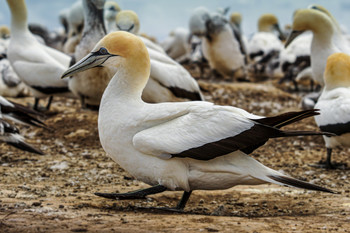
103, 51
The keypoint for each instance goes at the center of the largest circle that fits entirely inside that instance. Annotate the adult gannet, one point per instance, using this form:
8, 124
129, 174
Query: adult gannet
334, 104
178, 146
90, 85
323, 43
264, 45
110, 12
169, 81
10, 135
37, 65
236, 20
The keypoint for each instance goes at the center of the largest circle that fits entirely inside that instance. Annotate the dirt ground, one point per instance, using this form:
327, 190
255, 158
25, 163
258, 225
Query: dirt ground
55, 192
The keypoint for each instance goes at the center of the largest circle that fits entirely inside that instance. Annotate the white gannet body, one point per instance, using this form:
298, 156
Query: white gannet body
169, 81
90, 85
264, 46
180, 146
38, 66
334, 104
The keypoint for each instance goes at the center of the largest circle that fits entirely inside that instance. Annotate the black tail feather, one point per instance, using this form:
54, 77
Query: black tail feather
287, 118
299, 184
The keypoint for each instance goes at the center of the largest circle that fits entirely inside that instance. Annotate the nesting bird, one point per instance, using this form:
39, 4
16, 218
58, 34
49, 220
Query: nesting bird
38, 66
264, 45
334, 104
178, 146
169, 81
221, 46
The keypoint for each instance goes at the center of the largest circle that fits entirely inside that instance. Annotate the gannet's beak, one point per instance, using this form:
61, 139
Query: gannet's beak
291, 37
93, 59
280, 33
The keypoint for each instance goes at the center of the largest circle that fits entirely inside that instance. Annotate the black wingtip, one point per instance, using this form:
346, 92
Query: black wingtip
299, 184
26, 147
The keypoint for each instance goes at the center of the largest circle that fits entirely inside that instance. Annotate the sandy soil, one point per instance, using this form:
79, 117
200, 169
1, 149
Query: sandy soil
55, 192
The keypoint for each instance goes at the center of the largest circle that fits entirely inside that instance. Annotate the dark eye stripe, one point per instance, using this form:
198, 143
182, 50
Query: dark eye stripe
101, 51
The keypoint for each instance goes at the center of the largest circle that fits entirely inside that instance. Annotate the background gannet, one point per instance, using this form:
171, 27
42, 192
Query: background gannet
322, 44
37, 65
110, 12
264, 46
222, 49
334, 105
169, 81
179, 146
90, 85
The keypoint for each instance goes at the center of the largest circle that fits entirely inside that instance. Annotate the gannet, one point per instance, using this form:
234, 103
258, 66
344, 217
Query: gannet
90, 85
323, 45
334, 104
264, 45
37, 65
236, 20
75, 23
110, 12
10, 135
221, 45
178, 146
169, 81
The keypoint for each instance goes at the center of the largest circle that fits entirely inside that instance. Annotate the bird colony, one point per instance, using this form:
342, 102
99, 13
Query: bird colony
102, 105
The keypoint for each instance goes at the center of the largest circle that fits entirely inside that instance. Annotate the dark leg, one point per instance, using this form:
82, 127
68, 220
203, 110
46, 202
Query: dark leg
138, 194
181, 205
36, 104
328, 164
328, 160
49, 103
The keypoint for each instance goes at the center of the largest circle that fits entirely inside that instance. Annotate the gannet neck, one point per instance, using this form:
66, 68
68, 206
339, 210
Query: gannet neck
18, 10
132, 63
93, 17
